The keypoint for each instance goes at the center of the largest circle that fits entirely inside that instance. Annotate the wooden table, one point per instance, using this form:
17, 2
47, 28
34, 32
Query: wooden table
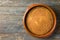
11, 15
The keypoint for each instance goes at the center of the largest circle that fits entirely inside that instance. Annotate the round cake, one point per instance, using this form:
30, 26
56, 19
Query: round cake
39, 20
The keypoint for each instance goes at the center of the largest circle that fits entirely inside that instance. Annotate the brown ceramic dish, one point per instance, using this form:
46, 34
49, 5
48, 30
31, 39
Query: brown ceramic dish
39, 20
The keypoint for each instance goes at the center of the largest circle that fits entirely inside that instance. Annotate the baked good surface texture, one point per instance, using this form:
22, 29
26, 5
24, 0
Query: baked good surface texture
39, 20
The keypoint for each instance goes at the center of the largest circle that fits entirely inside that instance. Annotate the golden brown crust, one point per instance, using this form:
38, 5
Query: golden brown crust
54, 20
39, 20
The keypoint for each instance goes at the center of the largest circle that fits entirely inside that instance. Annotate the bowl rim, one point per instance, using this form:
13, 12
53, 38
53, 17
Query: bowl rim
54, 20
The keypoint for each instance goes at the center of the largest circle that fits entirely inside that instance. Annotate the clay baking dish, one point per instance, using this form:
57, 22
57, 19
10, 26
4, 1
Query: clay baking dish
39, 20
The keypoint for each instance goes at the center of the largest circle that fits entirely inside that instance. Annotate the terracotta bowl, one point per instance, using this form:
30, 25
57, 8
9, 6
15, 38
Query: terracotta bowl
35, 30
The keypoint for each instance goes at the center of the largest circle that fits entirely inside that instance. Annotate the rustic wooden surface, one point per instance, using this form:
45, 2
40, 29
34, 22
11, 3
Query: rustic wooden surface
11, 14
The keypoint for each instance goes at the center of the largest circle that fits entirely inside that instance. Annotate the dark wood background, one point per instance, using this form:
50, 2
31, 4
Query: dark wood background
11, 15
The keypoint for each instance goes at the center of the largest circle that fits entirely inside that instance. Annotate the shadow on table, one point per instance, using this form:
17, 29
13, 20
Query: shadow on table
57, 11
